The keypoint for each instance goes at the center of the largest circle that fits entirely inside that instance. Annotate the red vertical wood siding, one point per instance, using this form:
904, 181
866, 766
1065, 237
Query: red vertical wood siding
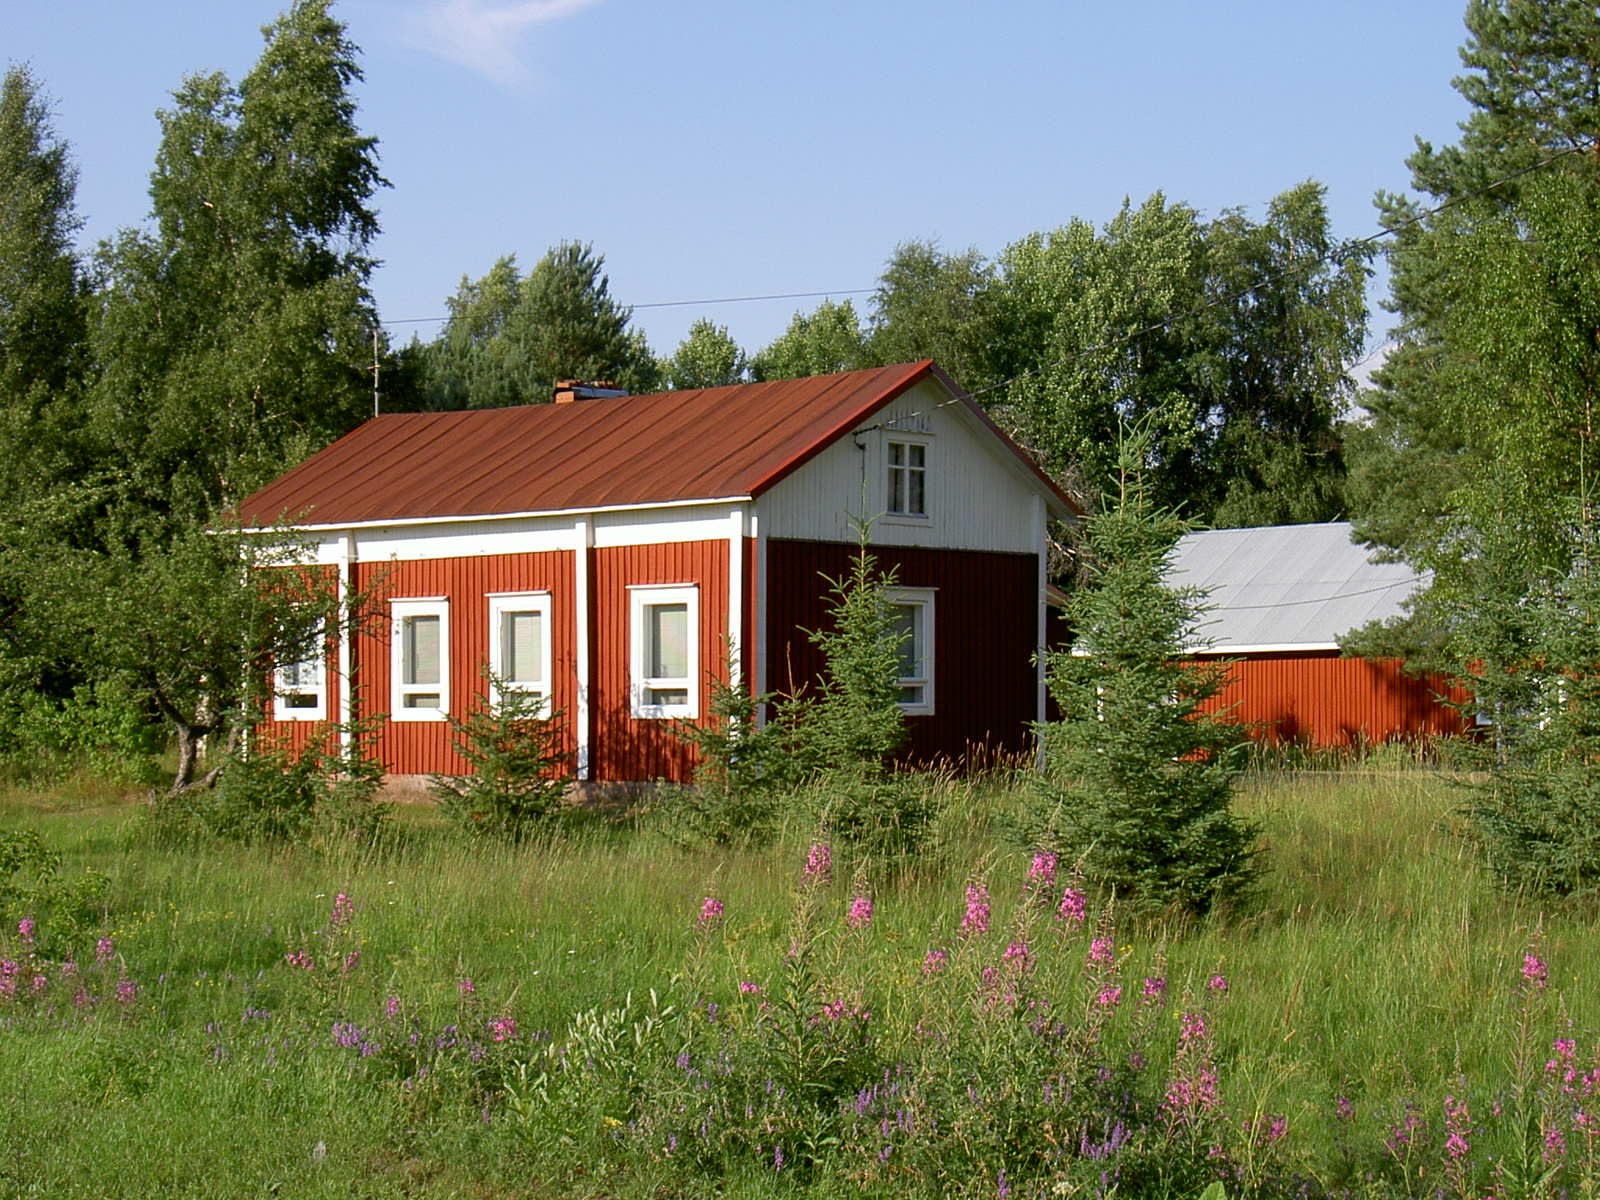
297, 735
626, 748
1321, 699
425, 747
985, 625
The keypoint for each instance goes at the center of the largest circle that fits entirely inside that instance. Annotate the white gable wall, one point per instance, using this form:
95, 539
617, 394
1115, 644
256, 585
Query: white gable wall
978, 496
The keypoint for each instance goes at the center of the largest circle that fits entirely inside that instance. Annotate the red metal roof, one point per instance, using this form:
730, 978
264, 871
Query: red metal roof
701, 444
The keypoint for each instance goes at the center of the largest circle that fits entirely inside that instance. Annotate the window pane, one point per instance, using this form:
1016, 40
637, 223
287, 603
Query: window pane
914, 502
677, 696
897, 490
421, 651
905, 622
521, 641
667, 628
916, 453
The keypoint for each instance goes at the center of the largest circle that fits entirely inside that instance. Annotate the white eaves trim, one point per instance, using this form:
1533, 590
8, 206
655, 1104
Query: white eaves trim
391, 522
1279, 648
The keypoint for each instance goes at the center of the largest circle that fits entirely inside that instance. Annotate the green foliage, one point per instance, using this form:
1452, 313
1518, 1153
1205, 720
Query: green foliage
511, 337
519, 766
744, 769
930, 304
1227, 340
319, 793
1138, 782
827, 340
707, 357
99, 727
32, 887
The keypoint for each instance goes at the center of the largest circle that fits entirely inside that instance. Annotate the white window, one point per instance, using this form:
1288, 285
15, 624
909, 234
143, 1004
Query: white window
664, 636
519, 650
911, 618
908, 478
300, 689
419, 657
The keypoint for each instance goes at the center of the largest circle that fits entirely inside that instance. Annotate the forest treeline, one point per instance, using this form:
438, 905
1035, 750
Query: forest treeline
148, 384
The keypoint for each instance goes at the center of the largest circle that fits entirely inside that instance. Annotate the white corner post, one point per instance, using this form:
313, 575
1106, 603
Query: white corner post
348, 557
583, 544
1041, 545
736, 535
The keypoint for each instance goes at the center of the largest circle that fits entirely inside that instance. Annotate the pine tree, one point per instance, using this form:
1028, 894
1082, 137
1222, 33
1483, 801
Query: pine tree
1138, 780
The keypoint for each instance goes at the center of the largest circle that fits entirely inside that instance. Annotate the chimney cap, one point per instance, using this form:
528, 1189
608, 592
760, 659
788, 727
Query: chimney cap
569, 390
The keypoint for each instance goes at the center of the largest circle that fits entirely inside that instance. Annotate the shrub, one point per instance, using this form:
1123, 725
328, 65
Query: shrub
519, 761
271, 792
99, 727
1139, 780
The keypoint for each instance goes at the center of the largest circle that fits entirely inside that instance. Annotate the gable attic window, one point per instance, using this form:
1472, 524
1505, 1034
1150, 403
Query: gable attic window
300, 689
911, 618
519, 651
419, 659
663, 639
908, 478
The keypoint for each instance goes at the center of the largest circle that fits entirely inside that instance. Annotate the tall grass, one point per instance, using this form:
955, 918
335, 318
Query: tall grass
1380, 969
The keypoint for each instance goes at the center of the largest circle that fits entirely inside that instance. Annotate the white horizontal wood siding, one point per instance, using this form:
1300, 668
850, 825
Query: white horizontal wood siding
978, 496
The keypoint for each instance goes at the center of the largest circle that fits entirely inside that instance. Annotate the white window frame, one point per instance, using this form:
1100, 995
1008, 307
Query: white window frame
893, 438
401, 611
640, 599
501, 604
921, 599
283, 689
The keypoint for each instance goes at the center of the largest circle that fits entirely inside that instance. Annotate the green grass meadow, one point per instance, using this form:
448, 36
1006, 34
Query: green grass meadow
483, 1025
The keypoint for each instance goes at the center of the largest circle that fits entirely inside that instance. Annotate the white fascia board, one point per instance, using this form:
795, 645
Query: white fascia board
396, 522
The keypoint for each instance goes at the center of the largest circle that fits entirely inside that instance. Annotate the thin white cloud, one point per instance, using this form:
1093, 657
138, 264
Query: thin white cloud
484, 35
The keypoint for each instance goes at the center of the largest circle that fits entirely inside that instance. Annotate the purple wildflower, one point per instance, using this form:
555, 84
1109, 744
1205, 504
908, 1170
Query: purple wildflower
860, 914
104, 951
710, 912
976, 920
1110, 996
1100, 952
466, 987
127, 991
503, 1029
934, 962
1534, 973
391, 1006
819, 863
25, 930
748, 987
1042, 873
1074, 906
1218, 983
343, 911
1154, 990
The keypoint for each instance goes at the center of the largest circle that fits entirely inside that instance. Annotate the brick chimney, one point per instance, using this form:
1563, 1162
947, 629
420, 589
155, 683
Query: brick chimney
568, 391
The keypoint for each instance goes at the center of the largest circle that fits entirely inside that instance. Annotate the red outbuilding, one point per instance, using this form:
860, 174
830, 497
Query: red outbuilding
613, 554
1281, 597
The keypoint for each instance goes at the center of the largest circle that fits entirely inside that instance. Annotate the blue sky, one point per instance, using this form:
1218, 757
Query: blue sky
712, 148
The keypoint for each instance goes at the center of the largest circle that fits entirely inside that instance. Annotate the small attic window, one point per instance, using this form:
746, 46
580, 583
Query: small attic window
907, 494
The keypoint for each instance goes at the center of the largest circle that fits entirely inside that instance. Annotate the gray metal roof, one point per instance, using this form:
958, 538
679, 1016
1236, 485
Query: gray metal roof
1287, 586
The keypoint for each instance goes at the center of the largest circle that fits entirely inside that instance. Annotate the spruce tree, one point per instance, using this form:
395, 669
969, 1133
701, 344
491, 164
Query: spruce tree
1138, 779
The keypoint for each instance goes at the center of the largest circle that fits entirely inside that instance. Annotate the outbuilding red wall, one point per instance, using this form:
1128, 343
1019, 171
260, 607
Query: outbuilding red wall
1318, 698
985, 631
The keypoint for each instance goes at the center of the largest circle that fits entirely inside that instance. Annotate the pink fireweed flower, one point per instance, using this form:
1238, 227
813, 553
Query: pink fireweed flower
748, 987
710, 912
25, 930
1456, 1124
1218, 984
934, 962
104, 951
69, 968
1555, 1145
1042, 873
1101, 953
350, 961
976, 921
1110, 996
391, 1006
466, 987
860, 914
1534, 973
343, 911
39, 984
1154, 990
1074, 906
1193, 1027
819, 863
1016, 952
299, 958
503, 1029
127, 991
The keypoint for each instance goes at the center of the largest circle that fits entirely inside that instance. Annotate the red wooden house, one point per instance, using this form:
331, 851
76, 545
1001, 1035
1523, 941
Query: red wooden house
611, 555
1281, 597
